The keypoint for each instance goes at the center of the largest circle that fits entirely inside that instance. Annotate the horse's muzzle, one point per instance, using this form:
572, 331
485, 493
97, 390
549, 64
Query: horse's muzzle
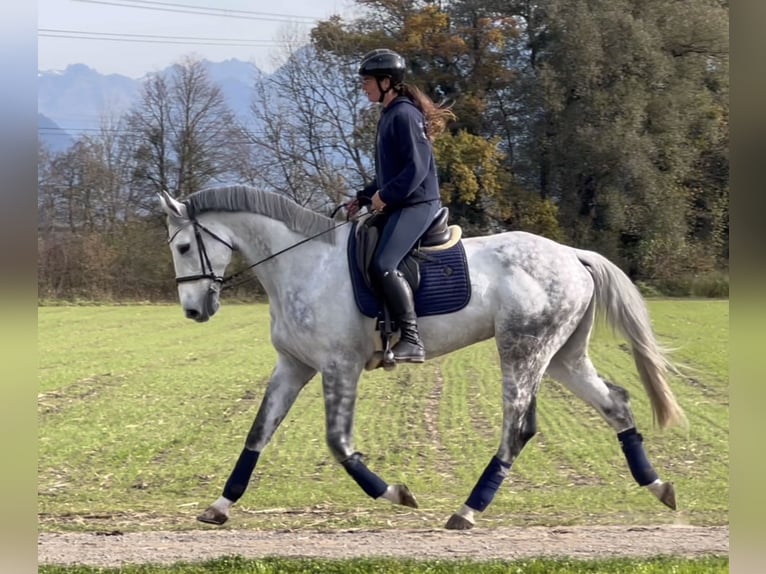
196, 315
210, 305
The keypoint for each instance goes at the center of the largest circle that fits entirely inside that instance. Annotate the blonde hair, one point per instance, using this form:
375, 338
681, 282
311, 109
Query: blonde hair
436, 116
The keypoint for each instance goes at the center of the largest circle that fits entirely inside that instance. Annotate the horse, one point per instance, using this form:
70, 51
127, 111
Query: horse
538, 298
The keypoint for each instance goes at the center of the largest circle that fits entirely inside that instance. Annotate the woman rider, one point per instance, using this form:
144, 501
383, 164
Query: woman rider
405, 187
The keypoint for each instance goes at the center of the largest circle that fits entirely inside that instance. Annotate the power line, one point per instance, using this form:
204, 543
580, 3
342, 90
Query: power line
204, 11
73, 133
72, 130
85, 130
213, 9
154, 38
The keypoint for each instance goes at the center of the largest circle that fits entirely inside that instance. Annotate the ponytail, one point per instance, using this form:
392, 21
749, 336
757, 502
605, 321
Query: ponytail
436, 116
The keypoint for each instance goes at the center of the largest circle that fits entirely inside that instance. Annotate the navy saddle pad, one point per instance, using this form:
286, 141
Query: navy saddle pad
445, 286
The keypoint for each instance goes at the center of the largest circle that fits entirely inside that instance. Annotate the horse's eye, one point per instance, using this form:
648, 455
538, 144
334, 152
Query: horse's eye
183, 248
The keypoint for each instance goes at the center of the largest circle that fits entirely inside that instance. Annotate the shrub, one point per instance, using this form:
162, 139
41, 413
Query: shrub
714, 284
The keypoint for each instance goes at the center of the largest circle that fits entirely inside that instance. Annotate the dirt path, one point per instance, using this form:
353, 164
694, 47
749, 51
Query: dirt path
582, 542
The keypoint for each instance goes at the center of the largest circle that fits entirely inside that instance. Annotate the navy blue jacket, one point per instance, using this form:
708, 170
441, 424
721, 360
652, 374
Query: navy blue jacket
405, 171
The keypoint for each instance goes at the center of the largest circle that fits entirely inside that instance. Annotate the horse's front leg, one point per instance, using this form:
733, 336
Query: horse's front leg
287, 380
339, 387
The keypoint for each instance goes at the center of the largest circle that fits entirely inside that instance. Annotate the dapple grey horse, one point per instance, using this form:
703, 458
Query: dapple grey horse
536, 297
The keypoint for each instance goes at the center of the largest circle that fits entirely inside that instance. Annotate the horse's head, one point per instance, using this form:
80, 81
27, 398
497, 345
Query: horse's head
201, 254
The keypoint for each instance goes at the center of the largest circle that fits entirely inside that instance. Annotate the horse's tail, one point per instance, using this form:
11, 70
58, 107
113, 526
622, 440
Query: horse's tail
624, 309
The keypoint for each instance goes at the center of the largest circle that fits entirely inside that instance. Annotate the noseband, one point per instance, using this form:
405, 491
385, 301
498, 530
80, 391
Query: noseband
204, 261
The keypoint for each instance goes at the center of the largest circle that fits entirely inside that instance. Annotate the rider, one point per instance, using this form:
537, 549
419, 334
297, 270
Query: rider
405, 187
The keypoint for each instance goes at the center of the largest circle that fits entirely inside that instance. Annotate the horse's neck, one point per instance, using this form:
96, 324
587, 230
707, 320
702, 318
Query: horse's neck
259, 238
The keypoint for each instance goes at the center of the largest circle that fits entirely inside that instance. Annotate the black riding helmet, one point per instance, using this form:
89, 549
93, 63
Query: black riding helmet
383, 63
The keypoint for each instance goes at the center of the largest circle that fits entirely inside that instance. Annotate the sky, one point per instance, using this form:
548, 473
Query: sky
135, 37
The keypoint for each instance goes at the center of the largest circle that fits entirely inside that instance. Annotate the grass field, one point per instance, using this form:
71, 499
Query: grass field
142, 415
377, 566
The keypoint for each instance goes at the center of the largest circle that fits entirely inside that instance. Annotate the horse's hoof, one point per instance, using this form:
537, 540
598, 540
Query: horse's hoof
457, 522
213, 516
668, 495
406, 498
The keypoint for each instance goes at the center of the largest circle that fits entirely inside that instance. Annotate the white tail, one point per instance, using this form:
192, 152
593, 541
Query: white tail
625, 311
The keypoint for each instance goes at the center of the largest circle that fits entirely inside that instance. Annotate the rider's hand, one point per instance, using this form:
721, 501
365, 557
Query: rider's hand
377, 203
352, 207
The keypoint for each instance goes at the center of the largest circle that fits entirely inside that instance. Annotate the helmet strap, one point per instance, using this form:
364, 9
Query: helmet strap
381, 90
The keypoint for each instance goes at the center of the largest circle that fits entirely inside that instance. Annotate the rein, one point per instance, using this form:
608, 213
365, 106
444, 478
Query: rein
272, 256
225, 282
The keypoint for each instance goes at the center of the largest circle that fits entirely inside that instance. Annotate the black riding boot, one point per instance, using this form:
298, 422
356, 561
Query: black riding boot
400, 302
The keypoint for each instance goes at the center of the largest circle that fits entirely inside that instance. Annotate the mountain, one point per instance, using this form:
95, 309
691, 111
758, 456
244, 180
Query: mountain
236, 79
50, 134
78, 98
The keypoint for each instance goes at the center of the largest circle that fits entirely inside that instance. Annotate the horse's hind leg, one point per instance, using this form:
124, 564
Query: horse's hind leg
572, 367
287, 380
523, 362
339, 389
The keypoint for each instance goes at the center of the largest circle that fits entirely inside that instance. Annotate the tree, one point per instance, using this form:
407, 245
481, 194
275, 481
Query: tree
624, 101
307, 143
98, 208
602, 123
456, 53
186, 137
471, 173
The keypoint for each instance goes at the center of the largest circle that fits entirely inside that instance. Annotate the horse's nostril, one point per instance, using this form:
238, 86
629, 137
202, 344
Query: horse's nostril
192, 313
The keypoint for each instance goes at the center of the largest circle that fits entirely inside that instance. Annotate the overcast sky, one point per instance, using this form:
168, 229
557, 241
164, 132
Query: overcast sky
76, 31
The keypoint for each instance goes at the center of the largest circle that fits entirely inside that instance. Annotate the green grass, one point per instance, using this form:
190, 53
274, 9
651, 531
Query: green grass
660, 565
142, 415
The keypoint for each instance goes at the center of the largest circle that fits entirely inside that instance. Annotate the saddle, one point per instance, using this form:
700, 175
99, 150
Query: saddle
436, 270
438, 237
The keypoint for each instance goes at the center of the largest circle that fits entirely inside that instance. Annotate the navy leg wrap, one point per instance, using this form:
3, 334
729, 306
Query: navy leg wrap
639, 465
240, 476
370, 482
488, 483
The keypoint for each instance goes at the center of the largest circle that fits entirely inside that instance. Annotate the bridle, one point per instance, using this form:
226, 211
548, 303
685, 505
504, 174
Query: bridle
223, 283
204, 261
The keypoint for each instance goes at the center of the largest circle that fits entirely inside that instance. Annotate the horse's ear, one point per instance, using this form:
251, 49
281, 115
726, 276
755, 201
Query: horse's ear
172, 207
